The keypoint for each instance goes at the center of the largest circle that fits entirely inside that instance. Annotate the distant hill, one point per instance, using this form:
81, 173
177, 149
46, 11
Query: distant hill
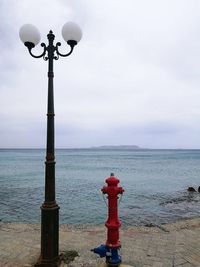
118, 147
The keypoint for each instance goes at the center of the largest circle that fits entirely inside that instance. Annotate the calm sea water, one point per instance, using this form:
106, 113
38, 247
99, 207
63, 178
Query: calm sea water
155, 183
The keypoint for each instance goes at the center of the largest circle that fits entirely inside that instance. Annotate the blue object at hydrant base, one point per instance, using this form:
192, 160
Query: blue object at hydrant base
112, 256
104, 264
101, 250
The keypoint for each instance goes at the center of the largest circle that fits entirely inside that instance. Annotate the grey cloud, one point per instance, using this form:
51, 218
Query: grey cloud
133, 78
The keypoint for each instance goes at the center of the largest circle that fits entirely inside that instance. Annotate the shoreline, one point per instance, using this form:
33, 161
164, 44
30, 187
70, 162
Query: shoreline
159, 245
180, 223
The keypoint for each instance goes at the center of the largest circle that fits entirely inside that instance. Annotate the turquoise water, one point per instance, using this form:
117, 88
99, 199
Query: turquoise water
155, 183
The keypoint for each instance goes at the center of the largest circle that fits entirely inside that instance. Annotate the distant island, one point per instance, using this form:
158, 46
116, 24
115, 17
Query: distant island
118, 147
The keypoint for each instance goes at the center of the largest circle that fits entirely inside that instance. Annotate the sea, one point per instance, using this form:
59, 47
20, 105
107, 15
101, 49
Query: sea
155, 184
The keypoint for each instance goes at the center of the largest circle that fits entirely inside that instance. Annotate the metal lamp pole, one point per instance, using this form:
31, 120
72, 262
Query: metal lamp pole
30, 36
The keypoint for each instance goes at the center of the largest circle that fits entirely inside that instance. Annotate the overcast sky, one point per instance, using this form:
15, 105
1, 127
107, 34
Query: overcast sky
134, 78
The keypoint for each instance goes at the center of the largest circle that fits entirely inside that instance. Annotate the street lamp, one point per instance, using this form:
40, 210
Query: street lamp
30, 36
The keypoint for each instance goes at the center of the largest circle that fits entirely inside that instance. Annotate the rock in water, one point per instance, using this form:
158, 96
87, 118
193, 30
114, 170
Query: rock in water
191, 189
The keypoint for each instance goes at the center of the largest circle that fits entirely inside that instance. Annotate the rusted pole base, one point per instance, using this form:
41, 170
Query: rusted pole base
45, 263
49, 256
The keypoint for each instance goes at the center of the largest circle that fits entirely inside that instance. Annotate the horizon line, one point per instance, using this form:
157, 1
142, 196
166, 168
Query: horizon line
98, 147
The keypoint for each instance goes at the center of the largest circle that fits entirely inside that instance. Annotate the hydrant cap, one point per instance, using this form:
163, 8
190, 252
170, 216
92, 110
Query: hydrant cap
112, 180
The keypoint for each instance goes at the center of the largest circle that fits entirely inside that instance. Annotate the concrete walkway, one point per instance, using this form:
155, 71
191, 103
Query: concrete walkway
167, 246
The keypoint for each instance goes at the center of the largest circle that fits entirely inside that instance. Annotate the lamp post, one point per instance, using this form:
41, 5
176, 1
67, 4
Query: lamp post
30, 36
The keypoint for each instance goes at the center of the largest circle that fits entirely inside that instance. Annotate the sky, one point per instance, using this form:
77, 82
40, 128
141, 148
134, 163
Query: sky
133, 79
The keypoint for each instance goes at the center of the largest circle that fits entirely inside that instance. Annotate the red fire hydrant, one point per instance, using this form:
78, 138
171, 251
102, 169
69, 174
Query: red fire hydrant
113, 223
110, 249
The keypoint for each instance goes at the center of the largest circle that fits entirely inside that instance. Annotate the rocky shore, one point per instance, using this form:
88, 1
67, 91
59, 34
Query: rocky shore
170, 245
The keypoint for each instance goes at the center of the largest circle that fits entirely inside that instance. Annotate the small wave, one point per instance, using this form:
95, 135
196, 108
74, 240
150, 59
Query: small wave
131, 207
185, 197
